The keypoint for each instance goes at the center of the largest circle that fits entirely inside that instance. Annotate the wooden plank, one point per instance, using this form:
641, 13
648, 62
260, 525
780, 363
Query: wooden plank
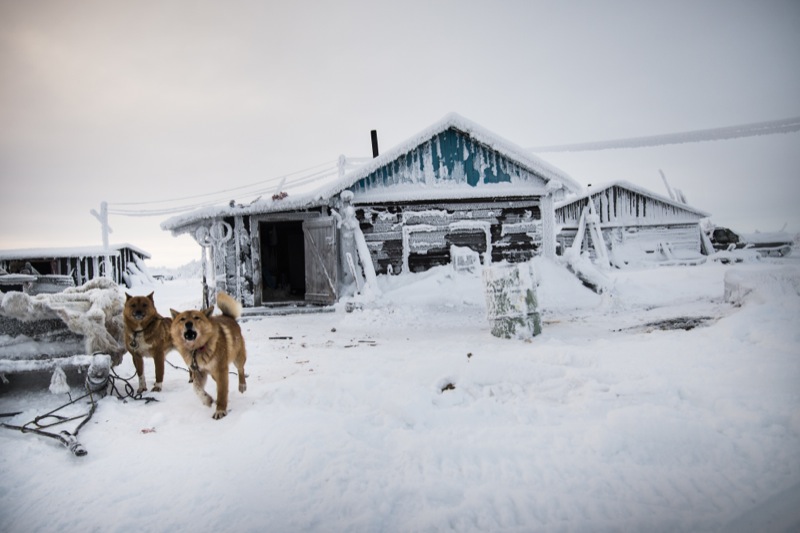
321, 253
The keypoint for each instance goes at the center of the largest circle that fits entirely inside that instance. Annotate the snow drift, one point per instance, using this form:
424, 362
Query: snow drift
408, 415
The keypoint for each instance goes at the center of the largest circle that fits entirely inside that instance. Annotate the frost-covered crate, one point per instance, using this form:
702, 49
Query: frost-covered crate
45, 331
511, 304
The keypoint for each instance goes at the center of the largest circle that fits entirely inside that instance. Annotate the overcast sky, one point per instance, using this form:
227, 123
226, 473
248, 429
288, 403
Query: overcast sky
149, 100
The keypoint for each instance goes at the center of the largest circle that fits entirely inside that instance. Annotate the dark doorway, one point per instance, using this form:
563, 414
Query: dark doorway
283, 263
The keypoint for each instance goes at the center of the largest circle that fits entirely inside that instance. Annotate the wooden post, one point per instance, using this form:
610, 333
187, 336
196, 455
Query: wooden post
102, 216
548, 227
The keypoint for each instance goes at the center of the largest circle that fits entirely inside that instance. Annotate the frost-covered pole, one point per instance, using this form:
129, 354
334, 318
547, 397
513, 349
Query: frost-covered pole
549, 220
219, 233
202, 238
666, 184
548, 227
213, 239
102, 216
353, 242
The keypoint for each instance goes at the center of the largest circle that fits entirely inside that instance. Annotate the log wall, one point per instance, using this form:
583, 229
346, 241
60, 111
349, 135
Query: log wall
419, 236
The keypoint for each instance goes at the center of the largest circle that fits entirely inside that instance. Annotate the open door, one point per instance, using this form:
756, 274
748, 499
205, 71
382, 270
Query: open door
283, 266
322, 260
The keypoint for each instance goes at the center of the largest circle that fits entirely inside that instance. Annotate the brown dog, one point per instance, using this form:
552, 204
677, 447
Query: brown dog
146, 335
209, 344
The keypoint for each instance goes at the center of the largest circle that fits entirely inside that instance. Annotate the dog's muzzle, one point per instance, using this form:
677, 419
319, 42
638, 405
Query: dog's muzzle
189, 332
138, 315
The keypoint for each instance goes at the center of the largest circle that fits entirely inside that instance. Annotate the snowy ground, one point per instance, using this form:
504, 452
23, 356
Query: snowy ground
602, 423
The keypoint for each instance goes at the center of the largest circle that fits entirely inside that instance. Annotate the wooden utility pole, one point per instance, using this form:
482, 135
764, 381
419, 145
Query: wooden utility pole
102, 216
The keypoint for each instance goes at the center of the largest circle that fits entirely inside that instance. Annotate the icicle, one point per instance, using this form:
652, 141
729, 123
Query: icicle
427, 165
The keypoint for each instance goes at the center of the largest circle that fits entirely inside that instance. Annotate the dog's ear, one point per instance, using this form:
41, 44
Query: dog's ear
150, 296
208, 311
174, 313
127, 296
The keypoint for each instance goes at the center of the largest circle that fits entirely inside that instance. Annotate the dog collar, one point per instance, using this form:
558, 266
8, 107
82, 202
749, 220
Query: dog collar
195, 366
133, 343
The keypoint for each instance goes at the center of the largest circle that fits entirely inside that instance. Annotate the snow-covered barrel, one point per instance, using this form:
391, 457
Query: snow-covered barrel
511, 304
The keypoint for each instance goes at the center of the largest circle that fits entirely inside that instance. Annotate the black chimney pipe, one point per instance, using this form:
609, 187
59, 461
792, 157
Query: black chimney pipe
374, 134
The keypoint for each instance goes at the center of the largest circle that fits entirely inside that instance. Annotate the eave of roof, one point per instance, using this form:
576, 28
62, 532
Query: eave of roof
65, 251
635, 188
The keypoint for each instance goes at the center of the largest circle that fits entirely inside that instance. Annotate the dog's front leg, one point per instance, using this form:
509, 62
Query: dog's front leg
199, 385
138, 363
222, 395
159, 358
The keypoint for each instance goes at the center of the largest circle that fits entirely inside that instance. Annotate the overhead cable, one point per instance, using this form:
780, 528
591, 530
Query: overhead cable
771, 127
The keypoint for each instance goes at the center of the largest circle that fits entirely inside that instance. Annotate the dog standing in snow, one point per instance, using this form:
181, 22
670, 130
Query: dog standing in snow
208, 345
146, 335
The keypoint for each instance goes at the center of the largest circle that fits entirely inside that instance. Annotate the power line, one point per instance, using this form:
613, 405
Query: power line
326, 170
772, 127
224, 191
215, 198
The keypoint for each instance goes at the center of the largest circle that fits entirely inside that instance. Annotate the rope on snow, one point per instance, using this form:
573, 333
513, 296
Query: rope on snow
101, 380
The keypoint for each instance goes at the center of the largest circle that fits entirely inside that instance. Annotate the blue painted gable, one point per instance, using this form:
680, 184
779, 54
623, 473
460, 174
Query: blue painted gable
450, 157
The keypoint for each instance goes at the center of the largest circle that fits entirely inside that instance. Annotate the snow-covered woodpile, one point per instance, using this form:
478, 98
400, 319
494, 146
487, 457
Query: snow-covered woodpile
636, 224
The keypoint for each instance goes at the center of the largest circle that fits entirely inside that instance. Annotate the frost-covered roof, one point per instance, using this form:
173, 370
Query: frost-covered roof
63, 252
631, 187
333, 184
476, 132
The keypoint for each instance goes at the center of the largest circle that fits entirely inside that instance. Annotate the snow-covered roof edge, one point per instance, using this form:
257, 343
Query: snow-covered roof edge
68, 251
477, 132
635, 188
318, 196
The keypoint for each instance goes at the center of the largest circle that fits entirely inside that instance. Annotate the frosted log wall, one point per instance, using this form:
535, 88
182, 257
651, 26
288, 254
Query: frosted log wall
419, 236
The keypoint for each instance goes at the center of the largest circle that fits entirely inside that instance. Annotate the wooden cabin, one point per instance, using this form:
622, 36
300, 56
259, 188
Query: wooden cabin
636, 224
80, 263
454, 186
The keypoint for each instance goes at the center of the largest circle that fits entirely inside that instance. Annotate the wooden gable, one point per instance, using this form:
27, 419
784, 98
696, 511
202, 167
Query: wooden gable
450, 159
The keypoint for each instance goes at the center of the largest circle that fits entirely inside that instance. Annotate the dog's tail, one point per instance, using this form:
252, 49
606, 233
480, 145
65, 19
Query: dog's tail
228, 305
